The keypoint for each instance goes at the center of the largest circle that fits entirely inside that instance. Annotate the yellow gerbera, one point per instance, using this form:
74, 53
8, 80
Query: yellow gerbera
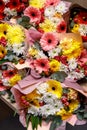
15, 34
54, 65
73, 105
55, 88
37, 3
14, 79
48, 26
75, 28
70, 47
3, 52
3, 29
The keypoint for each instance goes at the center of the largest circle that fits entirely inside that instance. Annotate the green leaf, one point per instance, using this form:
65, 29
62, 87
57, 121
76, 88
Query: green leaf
59, 76
56, 123
80, 116
27, 119
3, 61
36, 120
85, 115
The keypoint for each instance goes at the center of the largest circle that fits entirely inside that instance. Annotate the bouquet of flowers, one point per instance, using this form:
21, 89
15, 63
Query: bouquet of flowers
78, 21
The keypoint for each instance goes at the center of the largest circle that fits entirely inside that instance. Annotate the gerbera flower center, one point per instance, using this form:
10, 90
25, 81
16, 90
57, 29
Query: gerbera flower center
42, 64
10, 73
2, 52
14, 3
49, 40
33, 14
53, 88
5, 32
51, 3
1, 3
62, 27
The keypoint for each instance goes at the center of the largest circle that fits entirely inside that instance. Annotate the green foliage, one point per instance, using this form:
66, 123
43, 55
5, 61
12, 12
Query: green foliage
24, 21
59, 76
57, 121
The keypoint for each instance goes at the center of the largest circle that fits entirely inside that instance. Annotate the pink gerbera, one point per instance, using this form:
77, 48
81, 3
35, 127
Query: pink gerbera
48, 41
33, 13
41, 65
51, 3
61, 28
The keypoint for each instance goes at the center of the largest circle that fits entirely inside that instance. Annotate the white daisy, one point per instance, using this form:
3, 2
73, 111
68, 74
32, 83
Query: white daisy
18, 49
64, 68
49, 98
72, 64
6, 82
10, 12
61, 7
83, 29
47, 110
54, 52
33, 110
49, 12
75, 75
58, 105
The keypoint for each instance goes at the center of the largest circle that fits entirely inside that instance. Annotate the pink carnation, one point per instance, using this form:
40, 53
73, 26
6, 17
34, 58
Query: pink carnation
33, 13
48, 41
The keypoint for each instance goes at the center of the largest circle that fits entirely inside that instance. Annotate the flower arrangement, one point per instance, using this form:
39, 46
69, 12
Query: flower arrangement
12, 8
78, 21
52, 62
12, 43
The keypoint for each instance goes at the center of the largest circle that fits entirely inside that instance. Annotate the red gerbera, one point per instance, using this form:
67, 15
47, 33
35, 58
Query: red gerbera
2, 15
14, 4
9, 73
61, 28
2, 6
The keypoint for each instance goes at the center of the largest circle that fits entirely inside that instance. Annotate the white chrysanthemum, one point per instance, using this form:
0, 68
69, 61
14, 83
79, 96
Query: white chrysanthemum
83, 29
72, 64
5, 82
11, 57
61, 7
76, 75
58, 105
33, 110
49, 98
49, 12
56, 20
10, 12
18, 49
42, 88
40, 55
64, 68
54, 52
47, 110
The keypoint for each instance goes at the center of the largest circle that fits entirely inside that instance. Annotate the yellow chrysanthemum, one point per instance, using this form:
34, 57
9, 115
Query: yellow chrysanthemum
48, 26
3, 52
54, 65
3, 29
32, 52
37, 3
33, 98
75, 28
15, 34
73, 105
14, 79
70, 47
55, 88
